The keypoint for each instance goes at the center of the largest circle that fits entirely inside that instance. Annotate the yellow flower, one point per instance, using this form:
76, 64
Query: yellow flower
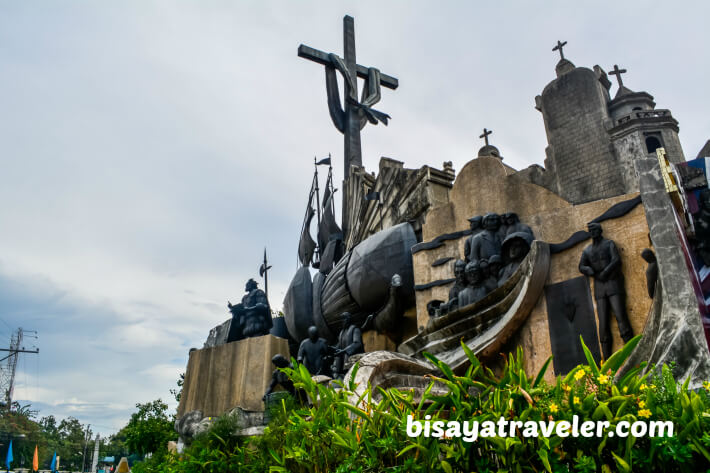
579, 375
644, 413
576, 400
566, 388
642, 404
603, 379
626, 388
653, 386
706, 385
642, 387
553, 407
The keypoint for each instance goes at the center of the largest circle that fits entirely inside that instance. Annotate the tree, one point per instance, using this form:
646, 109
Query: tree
178, 392
150, 428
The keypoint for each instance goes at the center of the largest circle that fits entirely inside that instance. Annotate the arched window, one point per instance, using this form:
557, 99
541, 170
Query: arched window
652, 144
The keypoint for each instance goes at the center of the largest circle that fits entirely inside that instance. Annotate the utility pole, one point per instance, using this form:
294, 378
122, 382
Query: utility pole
7, 370
86, 441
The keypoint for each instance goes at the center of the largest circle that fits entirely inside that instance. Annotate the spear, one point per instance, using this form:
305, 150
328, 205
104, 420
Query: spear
264, 272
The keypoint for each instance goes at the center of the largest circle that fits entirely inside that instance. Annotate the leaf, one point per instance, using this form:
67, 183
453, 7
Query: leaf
590, 359
623, 466
541, 373
445, 465
617, 359
543, 457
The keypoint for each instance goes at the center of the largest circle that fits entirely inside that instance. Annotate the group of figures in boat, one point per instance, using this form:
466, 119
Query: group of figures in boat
495, 249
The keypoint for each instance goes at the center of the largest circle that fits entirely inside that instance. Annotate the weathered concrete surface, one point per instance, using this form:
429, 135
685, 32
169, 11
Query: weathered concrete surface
675, 331
388, 369
235, 374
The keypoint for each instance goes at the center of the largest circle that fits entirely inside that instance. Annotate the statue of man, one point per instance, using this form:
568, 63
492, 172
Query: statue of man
474, 291
252, 315
279, 378
487, 243
601, 261
475, 225
495, 264
349, 344
312, 352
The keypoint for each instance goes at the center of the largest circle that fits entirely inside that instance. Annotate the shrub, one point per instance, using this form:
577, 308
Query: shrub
333, 435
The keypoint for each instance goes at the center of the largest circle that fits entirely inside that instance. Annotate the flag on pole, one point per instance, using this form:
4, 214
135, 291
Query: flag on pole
8, 458
35, 461
53, 465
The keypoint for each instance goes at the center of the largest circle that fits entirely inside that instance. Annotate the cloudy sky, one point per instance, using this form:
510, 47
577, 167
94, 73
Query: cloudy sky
150, 151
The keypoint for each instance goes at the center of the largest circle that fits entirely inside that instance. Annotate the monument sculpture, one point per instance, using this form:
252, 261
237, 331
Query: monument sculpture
514, 225
474, 290
600, 260
279, 378
313, 352
349, 344
514, 249
475, 226
252, 316
487, 243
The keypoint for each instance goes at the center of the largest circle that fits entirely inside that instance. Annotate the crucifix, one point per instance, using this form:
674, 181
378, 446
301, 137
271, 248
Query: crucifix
352, 117
560, 45
617, 72
485, 135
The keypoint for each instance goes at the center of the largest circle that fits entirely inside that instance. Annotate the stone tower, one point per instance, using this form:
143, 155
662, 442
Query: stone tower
593, 140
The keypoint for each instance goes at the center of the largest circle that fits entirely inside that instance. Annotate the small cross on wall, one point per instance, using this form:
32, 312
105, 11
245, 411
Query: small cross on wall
485, 135
560, 45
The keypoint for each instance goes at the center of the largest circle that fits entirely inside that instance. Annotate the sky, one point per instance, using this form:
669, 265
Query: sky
151, 150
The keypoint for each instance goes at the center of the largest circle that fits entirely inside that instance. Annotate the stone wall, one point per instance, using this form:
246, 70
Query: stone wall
226, 376
574, 108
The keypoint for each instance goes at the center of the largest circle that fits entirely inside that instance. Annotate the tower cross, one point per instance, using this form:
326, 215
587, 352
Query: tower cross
617, 72
485, 135
353, 114
560, 45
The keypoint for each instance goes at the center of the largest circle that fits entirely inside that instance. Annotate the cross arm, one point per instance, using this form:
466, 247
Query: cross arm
320, 57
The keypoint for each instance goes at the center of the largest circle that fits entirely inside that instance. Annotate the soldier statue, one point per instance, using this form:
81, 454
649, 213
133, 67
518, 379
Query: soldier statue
252, 316
312, 352
487, 243
349, 344
601, 261
475, 223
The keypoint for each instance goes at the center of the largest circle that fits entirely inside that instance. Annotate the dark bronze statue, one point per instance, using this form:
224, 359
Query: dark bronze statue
252, 316
601, 261
515, 247
474, 291
487, 243
312, 353
495, 266
651, 271
475, 225
349, 344
513, 224
490, 282
702, 227
279, 378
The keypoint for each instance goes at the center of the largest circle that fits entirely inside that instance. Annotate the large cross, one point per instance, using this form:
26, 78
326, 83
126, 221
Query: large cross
617, 72
485, 135
560, 45
350, 118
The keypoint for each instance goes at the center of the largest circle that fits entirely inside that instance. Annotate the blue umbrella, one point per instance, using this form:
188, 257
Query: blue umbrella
8, 459
53, 466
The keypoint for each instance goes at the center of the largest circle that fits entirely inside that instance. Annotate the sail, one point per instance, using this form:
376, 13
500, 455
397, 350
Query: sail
307, 245
328, 228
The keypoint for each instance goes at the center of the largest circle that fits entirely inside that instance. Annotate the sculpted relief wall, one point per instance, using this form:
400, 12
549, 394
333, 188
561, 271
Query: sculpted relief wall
487, 185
